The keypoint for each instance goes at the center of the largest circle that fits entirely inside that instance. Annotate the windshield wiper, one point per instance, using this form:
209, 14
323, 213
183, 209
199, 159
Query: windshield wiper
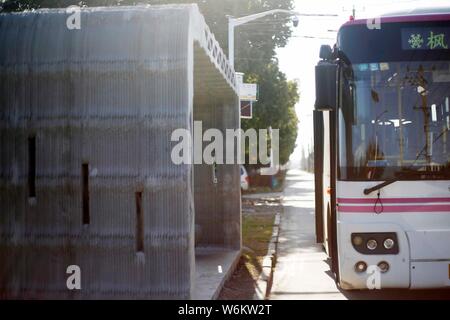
368, 191
402, 173
407, 170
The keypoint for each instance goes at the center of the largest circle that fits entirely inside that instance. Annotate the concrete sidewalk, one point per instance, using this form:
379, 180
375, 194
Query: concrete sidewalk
302, 271
213, 267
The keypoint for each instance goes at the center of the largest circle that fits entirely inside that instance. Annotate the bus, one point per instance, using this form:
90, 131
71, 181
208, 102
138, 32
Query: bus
382, 151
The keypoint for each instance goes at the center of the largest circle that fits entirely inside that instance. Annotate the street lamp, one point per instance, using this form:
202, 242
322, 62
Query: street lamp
234, 22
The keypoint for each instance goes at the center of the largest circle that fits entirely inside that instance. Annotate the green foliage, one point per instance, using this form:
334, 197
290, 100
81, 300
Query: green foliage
275, 107
255, 45
255, 41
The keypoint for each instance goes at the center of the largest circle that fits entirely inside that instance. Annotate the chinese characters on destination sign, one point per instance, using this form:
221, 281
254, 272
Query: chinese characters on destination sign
425, 38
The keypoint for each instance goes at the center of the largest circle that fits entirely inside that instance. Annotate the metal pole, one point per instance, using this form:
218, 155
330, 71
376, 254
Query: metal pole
231, 41
234, 22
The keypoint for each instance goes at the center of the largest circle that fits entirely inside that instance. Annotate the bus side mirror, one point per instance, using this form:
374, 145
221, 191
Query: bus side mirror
326, 53
326, 86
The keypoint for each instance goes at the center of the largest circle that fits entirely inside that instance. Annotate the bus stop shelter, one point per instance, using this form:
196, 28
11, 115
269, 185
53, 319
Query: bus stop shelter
86, 175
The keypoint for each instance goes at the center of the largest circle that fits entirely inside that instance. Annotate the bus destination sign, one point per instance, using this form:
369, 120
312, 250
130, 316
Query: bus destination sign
425, 38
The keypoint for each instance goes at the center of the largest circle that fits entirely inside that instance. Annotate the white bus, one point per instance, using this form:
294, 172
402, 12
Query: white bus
382, 150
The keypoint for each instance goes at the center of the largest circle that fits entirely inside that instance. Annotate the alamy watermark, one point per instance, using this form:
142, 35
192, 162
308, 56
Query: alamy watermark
374, 277
73, 22
374, 23
74, 280
228, 149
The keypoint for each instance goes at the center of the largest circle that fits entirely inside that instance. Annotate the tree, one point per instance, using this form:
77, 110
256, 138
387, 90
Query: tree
255, 42
276, 107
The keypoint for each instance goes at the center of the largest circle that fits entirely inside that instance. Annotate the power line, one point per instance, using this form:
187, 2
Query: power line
314, 37
295, 36
276, 22
270, 35
377, 4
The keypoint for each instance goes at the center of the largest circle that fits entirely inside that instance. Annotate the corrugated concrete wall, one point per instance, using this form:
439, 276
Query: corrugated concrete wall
217, 204
108, 97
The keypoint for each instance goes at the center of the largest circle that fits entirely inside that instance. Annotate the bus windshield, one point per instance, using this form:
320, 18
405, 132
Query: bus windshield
394, 117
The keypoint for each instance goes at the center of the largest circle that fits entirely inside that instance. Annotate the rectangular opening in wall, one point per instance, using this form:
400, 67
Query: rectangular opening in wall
139, 223
32, 166
85, 192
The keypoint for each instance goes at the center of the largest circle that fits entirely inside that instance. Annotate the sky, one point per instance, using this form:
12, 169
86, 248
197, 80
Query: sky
298, 58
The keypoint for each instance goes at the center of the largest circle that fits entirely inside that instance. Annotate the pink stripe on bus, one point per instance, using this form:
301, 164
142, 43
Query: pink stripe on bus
392, 200
370, 209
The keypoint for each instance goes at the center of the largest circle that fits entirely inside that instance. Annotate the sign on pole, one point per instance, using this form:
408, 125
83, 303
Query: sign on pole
248, 93
246, 109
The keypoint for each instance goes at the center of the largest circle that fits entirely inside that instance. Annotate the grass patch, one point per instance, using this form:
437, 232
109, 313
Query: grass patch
256, 235
257, 230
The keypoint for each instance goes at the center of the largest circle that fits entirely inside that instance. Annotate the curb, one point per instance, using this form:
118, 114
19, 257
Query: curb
264, 281
228, 275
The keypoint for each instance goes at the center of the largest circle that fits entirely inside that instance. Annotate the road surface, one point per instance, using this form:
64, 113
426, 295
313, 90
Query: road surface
302, 271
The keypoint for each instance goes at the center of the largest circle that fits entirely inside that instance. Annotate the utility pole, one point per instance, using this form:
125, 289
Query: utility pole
234, 22
353, 10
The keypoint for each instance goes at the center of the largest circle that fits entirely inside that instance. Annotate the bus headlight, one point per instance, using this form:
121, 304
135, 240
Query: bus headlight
388, 243
371, 244
384, 266
375, 242
357, 240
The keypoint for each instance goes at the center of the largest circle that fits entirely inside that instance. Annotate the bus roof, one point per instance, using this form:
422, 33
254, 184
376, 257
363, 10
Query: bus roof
433, 13
419, 11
